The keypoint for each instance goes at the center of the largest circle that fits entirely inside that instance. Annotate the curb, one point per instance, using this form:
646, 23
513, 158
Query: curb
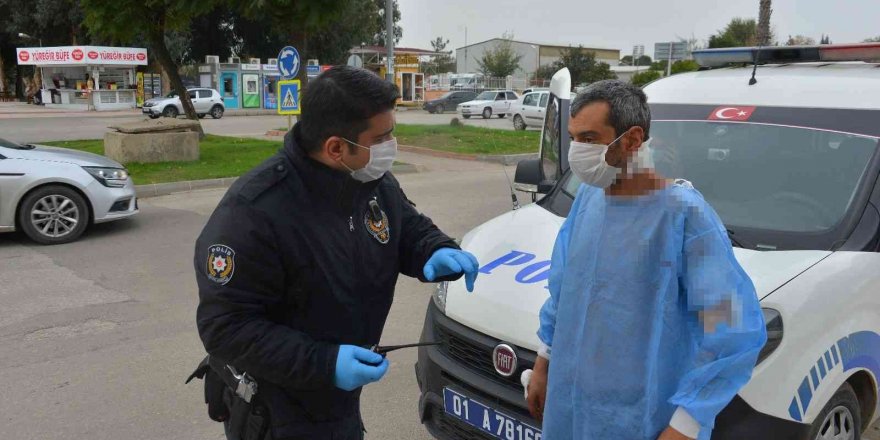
506, 159
279, 133
164, 189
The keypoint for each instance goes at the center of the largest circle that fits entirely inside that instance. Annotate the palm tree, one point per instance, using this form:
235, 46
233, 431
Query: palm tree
764, 23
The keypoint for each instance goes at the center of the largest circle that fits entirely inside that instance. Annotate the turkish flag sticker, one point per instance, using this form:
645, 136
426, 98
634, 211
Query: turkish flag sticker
731, 113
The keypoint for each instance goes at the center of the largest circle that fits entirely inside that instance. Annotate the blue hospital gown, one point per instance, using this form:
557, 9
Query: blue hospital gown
628, 278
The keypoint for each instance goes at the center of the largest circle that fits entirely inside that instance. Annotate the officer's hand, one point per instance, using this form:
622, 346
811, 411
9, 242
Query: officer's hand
353, 370
448, 261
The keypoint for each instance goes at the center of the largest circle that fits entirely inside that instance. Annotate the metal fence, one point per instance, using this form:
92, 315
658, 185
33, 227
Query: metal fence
478, 83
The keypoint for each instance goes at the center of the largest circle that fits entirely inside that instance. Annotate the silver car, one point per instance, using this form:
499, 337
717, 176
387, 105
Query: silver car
205, 101
53, 194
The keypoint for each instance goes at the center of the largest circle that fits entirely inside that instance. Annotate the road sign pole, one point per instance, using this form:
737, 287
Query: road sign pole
289, 123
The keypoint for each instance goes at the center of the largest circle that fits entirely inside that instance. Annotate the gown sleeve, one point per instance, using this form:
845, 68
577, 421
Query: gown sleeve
728, 325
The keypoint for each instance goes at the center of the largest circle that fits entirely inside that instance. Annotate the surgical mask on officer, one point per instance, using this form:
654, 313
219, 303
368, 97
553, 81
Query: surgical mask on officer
381, 159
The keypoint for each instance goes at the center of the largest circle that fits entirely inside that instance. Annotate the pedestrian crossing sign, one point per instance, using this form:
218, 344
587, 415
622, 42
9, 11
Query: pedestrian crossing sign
288, 97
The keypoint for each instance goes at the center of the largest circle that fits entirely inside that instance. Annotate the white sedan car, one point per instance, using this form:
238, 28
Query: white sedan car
54, 194
486, 104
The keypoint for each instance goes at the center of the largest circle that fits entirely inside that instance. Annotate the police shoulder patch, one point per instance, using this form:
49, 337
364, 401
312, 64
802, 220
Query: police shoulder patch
221, 263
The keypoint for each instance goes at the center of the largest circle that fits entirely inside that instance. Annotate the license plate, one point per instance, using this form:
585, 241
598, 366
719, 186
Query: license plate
486, 419
146, 110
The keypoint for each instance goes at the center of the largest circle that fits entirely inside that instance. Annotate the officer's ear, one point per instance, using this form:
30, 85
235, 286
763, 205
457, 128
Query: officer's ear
633, 139
333, 147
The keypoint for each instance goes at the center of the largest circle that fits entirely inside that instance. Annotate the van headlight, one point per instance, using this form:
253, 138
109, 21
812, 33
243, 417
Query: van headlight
773, 320
439, 295
111, 177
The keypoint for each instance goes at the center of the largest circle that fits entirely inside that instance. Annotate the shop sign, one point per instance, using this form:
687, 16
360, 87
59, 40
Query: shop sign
82, 55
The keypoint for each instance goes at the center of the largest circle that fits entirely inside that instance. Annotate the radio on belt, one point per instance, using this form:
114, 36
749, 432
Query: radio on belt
247, 386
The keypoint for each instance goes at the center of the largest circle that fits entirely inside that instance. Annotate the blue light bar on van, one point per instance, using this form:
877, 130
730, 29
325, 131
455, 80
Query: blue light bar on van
788, 54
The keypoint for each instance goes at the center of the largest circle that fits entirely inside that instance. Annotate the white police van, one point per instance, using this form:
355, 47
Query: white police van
787, 154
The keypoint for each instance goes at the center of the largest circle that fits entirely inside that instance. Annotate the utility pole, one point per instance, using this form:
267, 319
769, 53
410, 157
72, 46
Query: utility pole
669, 61
389, 41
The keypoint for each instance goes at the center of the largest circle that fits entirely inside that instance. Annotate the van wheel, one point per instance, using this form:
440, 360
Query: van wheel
840, 418
217, 112
439, 109
518, 123
170, 112
487, 113
53, 214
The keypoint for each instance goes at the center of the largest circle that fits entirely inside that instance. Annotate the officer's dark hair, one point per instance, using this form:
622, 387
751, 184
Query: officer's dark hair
628, 104
340, 101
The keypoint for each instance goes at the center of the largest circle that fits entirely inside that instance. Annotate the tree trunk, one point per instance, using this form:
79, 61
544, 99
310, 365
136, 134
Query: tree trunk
157, 42
4, 85
764, 23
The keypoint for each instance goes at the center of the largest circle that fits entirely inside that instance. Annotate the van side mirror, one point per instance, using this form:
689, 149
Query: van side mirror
529, 178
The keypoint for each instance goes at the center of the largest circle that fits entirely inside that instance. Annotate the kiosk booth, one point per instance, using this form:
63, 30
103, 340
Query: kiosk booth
251, 85
86, 77
407, 69
270, 85
229, 83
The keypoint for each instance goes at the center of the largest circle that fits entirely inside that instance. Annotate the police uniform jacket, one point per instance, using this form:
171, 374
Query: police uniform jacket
292, 264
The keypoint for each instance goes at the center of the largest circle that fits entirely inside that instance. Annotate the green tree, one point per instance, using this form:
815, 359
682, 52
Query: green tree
682, 66
292, 22
826, 39
642, 78
379, 36
546, 72
583, 66
739, 32
501, 60
127, 20
659, 66
440, 63
799, 40
643, 60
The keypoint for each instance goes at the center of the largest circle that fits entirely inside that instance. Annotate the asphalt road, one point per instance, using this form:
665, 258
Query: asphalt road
72, 127
97, 336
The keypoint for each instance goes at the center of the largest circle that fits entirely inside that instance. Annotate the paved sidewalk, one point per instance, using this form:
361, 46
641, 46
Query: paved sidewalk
20, 110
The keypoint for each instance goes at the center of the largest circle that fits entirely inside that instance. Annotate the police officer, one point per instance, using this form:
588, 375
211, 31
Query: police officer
296, 267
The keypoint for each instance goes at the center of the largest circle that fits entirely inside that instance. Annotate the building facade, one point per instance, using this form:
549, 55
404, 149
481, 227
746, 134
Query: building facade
534, 55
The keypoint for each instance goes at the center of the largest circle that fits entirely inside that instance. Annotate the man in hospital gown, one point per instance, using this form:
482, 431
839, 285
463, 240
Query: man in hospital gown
652, 326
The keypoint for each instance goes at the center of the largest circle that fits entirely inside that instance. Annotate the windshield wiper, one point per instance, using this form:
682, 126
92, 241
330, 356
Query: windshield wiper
734, 241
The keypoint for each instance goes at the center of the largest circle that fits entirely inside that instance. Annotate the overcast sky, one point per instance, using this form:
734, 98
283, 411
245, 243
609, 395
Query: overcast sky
620, 24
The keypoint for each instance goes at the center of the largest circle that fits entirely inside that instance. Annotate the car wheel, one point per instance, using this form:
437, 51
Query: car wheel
53, 214
487, 113
518, 123
217, 112
170, 112
466, 116
439, 109
840, 418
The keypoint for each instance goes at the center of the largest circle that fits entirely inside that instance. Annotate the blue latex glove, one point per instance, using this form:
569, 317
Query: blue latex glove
448, 261
352, 369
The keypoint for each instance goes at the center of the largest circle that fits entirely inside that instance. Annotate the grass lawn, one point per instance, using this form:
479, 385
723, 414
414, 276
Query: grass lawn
220, 156
466, 139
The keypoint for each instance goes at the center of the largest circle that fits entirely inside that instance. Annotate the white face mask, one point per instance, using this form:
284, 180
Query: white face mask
587, 161
381, 159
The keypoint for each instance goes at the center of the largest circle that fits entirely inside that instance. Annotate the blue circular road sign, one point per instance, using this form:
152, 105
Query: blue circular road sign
288, 62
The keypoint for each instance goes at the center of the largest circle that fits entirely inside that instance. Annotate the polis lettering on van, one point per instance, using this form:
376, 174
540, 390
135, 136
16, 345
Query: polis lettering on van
529, 271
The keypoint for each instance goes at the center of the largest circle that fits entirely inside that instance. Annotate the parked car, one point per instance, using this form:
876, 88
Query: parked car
205, 101
791, 166
529, 111
53, 194
498, 102
448, 101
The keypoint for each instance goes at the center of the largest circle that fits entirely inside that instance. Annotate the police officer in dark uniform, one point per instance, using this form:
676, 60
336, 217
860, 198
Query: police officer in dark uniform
296, 267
